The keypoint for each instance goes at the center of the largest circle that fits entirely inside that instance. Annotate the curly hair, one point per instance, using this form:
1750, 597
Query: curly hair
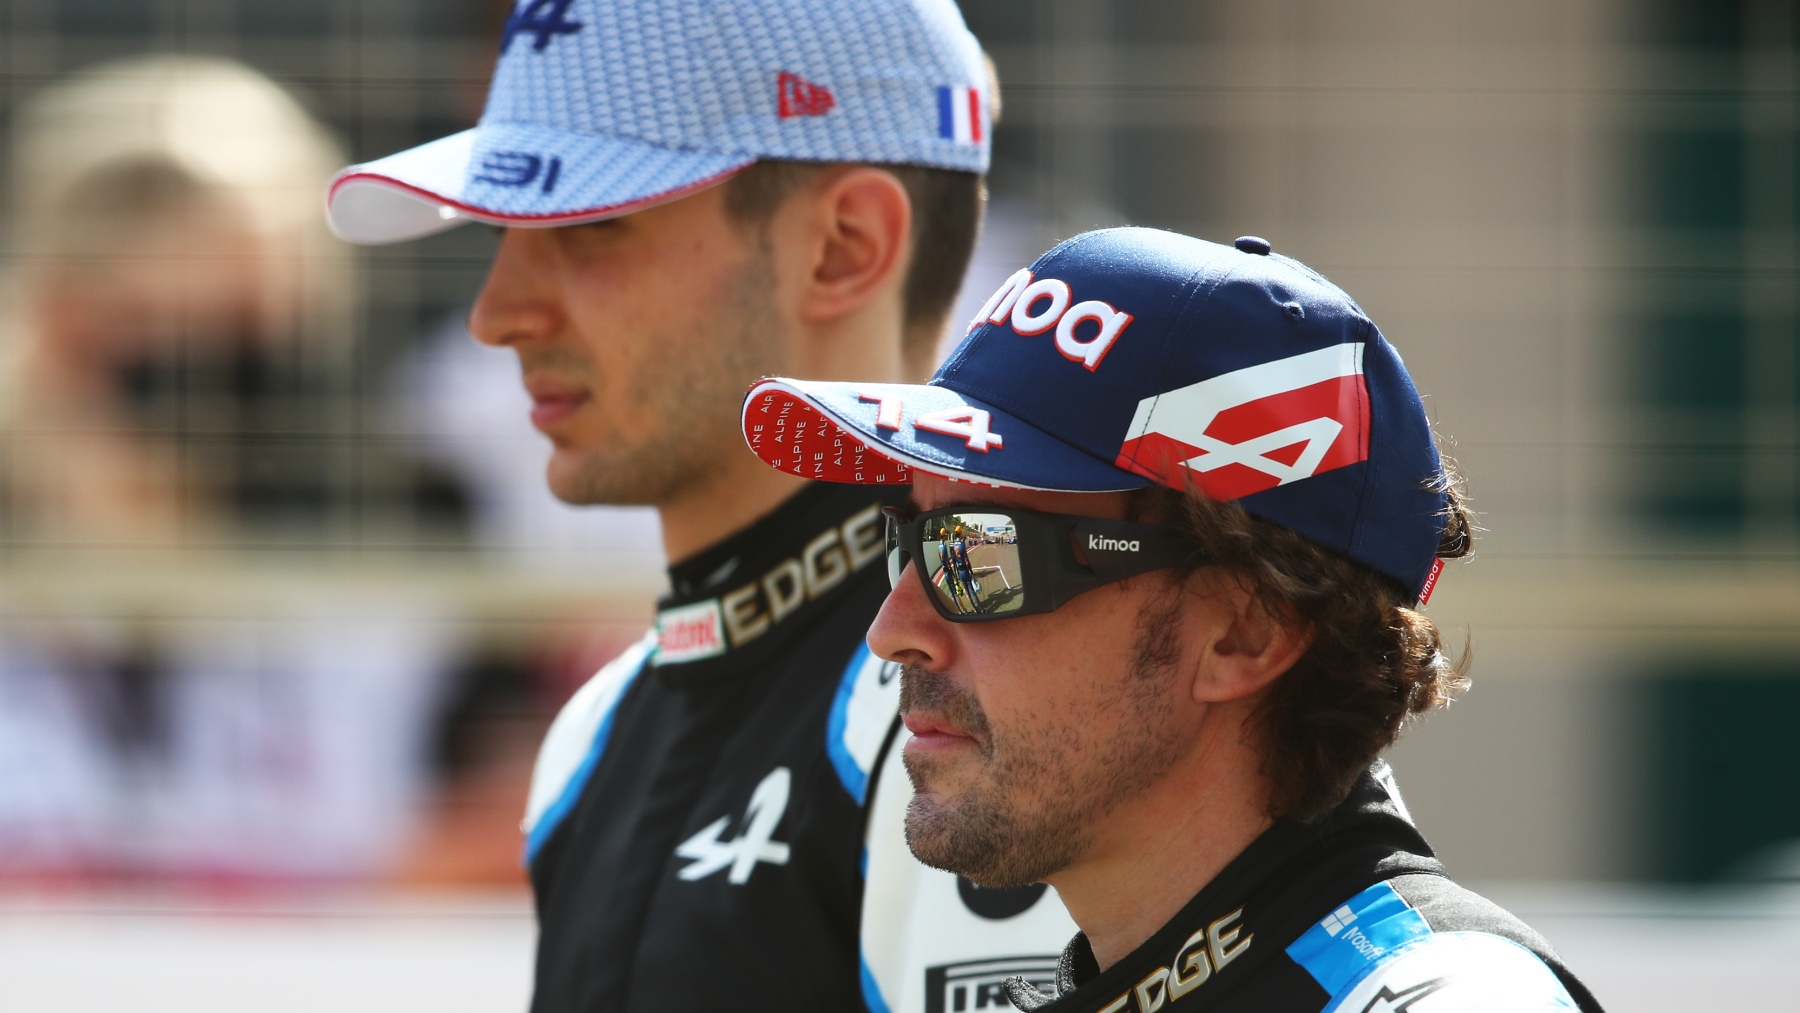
1374, 660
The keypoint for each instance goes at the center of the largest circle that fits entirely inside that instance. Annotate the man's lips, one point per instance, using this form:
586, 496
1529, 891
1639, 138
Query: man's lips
931, 733
552, 401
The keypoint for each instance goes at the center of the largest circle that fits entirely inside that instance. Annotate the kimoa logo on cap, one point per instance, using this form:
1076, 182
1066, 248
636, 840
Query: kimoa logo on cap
1256, 428
1036, 305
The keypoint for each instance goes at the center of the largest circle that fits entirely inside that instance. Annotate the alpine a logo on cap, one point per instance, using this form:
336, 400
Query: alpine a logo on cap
1255, 428
543, 20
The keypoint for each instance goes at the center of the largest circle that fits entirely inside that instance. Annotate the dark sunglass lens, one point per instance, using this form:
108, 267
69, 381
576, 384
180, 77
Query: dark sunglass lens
972, 561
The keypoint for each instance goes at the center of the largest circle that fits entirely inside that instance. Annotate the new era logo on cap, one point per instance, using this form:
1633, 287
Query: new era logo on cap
1130, 356
796, 96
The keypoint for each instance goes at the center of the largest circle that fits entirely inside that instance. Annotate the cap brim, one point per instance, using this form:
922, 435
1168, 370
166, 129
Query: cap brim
514, 174
835, 432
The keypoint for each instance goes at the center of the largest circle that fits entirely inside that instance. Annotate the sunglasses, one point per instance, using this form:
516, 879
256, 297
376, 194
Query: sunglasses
979, 564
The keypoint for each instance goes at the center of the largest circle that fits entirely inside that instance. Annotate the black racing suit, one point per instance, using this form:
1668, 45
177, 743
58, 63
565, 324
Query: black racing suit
704, 846
1350, 912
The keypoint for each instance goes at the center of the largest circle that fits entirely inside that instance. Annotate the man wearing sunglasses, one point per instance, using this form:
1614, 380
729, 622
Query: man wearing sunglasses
1222, 512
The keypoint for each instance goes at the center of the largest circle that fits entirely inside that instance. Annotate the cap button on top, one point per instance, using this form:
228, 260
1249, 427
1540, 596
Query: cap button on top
1253, 244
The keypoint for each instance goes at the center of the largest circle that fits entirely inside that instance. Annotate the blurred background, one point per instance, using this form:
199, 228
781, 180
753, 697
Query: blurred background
285, 607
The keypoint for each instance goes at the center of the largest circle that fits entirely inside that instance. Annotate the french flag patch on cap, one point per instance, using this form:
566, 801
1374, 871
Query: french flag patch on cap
959, 113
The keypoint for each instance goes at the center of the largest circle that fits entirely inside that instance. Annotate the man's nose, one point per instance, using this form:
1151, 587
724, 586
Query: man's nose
519, 301
908, 630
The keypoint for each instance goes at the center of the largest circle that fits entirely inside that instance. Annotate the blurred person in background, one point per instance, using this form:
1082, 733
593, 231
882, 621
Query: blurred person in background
694, 194
176, 351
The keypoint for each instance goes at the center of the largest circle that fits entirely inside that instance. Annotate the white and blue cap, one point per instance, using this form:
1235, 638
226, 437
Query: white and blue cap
603, 107
1130, 357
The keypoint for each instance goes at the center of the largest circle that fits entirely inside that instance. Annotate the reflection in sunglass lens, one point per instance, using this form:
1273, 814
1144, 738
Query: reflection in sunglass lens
972, 562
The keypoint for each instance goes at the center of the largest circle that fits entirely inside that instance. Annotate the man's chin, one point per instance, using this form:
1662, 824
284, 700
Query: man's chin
987, 843
931, 824
581, 478
957, 838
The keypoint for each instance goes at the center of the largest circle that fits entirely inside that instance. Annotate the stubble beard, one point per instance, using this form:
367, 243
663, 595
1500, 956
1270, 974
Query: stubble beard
692, 392
1044, 789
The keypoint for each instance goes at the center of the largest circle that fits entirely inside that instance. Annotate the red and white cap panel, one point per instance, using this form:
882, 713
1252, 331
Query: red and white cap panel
881, 434
791, 434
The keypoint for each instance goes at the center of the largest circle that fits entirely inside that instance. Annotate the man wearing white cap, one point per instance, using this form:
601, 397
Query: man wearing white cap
695, 194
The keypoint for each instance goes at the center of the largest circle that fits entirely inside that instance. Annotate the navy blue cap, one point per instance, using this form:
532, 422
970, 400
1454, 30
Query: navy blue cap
1127, 357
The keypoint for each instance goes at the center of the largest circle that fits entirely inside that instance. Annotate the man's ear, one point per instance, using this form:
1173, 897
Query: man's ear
1253, 643
859, 225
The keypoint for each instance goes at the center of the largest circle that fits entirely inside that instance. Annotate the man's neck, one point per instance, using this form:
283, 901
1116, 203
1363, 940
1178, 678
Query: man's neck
1155, 853
734, 497
739, 488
